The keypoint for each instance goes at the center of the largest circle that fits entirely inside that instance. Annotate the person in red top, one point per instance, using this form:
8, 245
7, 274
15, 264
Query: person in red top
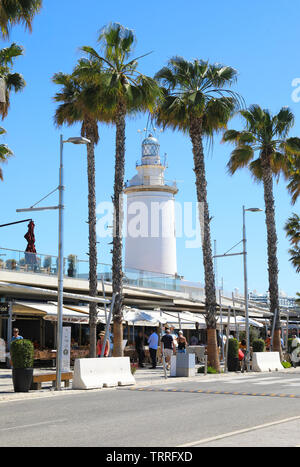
100, 345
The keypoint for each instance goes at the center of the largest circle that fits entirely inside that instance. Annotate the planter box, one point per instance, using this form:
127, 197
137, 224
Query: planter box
22, 379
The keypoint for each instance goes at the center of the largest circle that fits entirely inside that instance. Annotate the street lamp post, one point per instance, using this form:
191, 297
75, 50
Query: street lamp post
244, 253
60, 285
246, 283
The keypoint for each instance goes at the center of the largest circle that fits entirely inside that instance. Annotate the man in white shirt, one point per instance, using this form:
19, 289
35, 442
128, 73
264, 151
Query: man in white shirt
153, 346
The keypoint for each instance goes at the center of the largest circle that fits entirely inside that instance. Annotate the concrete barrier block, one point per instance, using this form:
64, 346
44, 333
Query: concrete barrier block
185, 360
96, 373
173, 366
185, 372
185, 365
266, 361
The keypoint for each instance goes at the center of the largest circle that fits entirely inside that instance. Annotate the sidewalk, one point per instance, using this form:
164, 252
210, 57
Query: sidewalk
143, 376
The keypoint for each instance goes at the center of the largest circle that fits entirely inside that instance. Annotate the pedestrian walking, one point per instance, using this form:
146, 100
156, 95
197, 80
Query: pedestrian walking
153, 346
168, 347
139, 346
182, 343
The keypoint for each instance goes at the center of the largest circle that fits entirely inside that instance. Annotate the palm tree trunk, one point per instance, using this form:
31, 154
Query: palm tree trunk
272, 250
93, 283
204, 219
117, 269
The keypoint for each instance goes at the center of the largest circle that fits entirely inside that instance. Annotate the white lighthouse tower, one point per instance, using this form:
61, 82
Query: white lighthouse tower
151, 236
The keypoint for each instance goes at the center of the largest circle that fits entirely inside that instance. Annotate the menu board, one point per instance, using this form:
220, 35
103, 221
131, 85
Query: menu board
66, 349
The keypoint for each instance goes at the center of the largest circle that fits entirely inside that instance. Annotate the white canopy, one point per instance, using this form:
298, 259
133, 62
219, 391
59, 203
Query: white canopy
144, 318
183, 320
240, 321
50, 310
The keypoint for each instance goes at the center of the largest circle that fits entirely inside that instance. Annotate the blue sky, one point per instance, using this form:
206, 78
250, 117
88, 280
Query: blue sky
260, 39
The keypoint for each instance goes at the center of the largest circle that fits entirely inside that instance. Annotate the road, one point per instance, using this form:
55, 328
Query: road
250, 410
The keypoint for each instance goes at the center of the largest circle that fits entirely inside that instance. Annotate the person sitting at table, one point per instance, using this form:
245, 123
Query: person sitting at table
74, 344
100, 345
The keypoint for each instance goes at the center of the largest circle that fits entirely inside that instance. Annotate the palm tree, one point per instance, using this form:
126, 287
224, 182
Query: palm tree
266, 136
14, 12
5, 153
128, 91
292, 228
78, 104
197, 100
9, 81
293, 175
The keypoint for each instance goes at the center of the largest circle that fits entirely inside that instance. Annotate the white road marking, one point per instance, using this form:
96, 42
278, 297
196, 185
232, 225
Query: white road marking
284, 381
21, 427
256, 380
238, 432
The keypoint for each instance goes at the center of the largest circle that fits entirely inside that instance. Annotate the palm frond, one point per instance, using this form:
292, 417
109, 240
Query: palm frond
14, 12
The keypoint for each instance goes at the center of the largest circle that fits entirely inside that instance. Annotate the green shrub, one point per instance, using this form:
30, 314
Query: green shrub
286, 364
258, 345
22, 353
254, 334
210, 370
233, 349
233, 355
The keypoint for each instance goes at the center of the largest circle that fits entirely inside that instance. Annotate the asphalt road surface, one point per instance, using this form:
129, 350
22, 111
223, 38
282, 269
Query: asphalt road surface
241, 411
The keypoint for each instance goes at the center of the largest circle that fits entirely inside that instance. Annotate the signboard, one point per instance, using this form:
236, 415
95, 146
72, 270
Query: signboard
2, 351
4, 310
66, 349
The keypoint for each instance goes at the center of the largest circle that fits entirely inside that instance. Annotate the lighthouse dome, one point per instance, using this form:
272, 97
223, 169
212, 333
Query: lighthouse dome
150, 147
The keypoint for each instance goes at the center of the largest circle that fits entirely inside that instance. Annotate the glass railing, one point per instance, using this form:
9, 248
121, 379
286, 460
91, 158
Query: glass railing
19, 261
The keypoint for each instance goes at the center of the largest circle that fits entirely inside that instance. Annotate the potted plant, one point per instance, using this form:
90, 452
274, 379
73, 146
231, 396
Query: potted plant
233, 363
22, 357
259, 345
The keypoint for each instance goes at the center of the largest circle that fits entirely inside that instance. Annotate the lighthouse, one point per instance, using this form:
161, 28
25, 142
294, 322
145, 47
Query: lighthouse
151, 236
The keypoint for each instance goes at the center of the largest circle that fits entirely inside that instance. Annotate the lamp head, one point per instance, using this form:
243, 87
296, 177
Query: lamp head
78, 140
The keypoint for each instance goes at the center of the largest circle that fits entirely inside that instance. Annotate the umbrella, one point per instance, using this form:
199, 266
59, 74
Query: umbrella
143, 318
30, 252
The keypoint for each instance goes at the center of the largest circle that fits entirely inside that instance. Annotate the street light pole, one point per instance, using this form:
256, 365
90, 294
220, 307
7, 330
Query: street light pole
60, 286
246, 283
60, 275
246, 289
244, 254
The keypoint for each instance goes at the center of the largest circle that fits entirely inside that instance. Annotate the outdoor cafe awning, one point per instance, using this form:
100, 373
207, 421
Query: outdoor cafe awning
183, 320
25, 290
240, 321
48, 311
